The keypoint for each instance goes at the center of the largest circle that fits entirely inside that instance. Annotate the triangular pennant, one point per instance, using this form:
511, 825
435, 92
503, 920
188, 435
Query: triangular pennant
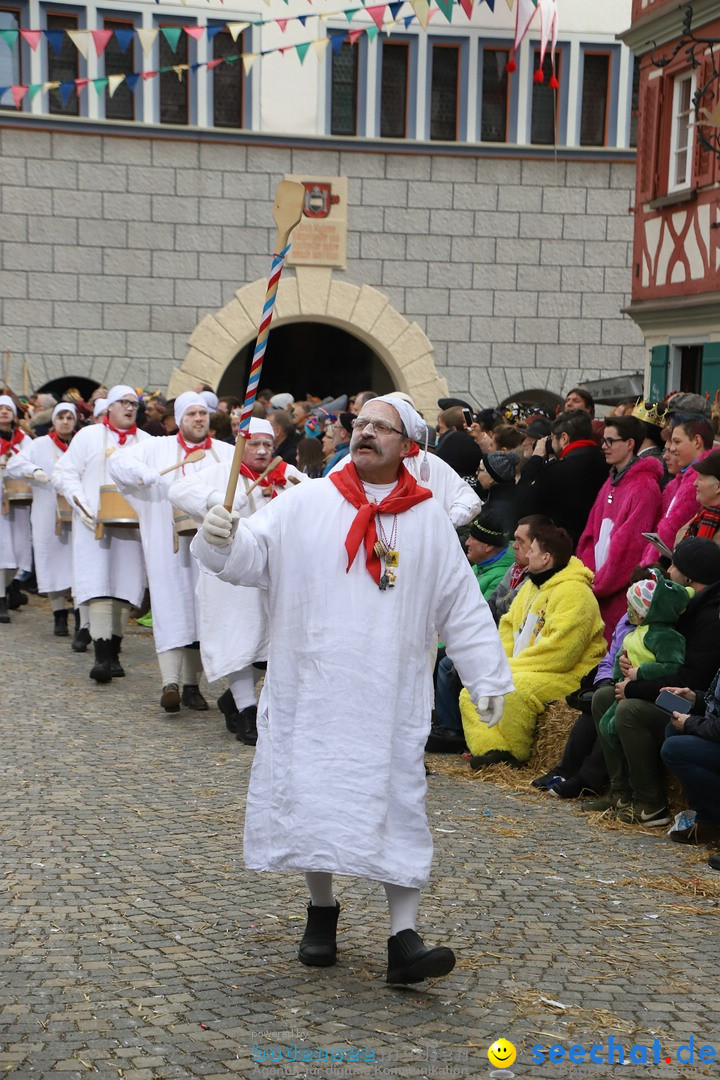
548, 28
55, 39
350, 12
236, 28
147, 39
211, 31
301, 50
9, 37
282, 23
195, 32
132, 80
372, 32
179, 70
67, 89
354, 35
491, 5
446, 7
407, 20
302, 19
113, 82
18, 93
523, 18
422, 10
432, 13
395, 8
214, 63
248, 61
145, 75
467, 6
32, 37
80, 84
101, 39
123, 38
336, 41
46, 86
377, 14
172, 35
80, 40
33, 89
320, 45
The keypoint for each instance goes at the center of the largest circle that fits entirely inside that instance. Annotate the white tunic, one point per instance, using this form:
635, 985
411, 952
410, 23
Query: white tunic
338, 780
15, 542
172, 576
114, 565
53, 551
232, 622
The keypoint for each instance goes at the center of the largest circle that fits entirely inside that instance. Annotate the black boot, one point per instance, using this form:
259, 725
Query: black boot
247, 726
82, 638
101, 670
193, 699
118, 670
318, 947
410, 961
170, 697
226, 705
61, 627
4, 617
15, 597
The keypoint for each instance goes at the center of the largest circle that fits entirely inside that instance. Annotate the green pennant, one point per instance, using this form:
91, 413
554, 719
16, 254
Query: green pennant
172, 35
9, 37
100, 85
302, 49
350, 12
372, 31
446, 6
33, 90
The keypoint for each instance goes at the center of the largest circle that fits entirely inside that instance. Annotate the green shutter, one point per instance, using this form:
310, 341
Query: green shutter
659, 357
711, 369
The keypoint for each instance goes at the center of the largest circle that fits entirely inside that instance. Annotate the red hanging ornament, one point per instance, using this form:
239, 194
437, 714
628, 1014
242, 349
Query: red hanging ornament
539, 76
511, 65
554, 84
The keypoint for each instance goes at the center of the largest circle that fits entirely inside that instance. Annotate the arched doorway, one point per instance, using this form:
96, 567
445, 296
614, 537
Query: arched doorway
310, 358
58, 387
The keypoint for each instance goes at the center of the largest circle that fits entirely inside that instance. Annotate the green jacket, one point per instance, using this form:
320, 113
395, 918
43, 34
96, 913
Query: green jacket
490, 574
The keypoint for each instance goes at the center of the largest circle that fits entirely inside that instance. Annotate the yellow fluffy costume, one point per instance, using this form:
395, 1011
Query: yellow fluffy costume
552, 635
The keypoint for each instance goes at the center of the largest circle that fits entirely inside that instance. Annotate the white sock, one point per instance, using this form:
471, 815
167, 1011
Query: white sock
242, 687
120, 616
320, 886
84, 616
101, 618
403, 904
170, 663
57, 600
192, 667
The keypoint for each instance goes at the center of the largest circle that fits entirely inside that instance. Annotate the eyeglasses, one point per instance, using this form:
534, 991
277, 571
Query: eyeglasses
126, 404
611, 442
380, 427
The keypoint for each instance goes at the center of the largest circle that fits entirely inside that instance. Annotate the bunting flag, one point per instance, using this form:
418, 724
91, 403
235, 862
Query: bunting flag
101, 39
81, 41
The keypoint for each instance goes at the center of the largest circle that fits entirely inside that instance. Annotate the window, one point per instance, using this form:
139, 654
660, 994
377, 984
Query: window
119, 61
681, 132
394, 90
343, 117
543, 121
444, 92
635, 103
494, 109
595, 87
10, 59
63, 66
227, 81
174, 103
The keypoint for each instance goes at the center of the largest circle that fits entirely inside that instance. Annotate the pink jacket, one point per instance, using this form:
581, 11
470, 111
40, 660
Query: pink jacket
679, 505
613, 535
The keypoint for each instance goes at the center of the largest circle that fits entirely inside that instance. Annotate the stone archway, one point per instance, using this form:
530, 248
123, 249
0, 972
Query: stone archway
313, 293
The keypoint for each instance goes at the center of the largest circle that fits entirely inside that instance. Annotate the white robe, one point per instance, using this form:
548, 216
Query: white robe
114, 565
172, 576
15, 542
232, 622
338, 781
53, 551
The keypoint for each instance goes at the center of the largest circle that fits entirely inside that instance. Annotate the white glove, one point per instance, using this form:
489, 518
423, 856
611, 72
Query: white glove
40, 477
85, 516
219, 526
490, 710
147, 475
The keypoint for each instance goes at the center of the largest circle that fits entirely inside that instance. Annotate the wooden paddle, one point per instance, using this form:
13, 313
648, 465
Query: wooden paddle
194, 455
273, 465
287, 213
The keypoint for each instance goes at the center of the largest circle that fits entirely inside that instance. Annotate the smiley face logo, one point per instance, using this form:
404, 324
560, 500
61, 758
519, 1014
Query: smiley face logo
501, 1054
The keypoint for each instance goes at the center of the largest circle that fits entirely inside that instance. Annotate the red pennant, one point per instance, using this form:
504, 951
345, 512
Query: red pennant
80, 84
467, 6
282, 23
101, 38
377, 14
195, 32
32, 37
147, 74
354, 35
214, 63
18, 93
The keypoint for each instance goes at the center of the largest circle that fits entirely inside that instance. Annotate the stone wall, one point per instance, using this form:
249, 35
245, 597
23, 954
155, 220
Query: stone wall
113, 248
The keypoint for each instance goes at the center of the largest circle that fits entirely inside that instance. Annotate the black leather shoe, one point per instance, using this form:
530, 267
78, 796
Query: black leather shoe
61, 627
247, 726
170, 698
442, 740
410, 961
15, 597
118, 671
101, 670
318, 947
81, 640
193, 699
226, 705
4, 617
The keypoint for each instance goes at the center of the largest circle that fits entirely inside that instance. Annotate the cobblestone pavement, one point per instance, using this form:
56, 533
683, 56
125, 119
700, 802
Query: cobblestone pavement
134, 944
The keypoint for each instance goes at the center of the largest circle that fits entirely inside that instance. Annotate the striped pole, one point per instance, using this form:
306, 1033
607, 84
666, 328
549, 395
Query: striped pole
262, 340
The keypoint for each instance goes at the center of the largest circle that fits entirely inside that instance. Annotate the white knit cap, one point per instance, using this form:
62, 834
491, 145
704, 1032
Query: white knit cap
258, 426
117, 393
100, 406
412, 421
281, 401
5, 399
211, 400
186, 401
64, 406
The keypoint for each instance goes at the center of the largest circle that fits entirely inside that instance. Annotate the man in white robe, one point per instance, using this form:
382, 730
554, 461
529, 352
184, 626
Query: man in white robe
108, 570
15, 542
51, 537
172, 572
232, 620
340, 788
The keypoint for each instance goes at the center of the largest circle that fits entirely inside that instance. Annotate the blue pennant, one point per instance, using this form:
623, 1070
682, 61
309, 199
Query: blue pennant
124, 37
55, 39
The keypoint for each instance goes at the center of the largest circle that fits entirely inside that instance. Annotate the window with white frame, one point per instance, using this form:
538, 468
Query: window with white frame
681, 132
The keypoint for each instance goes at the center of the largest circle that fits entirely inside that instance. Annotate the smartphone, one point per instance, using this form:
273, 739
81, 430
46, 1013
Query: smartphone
672, 702
467, 417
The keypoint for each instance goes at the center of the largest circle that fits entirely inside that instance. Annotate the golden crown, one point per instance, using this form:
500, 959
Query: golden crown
650, 412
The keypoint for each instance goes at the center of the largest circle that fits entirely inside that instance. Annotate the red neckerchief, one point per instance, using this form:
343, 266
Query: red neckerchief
189, 449
414, 450
405, 494
9, 446
276, 478
60, 443
576, 445
122, 433
516, 575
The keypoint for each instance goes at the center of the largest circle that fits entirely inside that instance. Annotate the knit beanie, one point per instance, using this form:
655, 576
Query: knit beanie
501, 466
698, 559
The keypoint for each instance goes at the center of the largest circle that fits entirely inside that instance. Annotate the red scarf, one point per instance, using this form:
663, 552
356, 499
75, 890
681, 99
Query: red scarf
60, 443
516, 575
414, 450
189, 449
9, 446
122, 433
405, 494
276, 478
576, 445
706, 523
